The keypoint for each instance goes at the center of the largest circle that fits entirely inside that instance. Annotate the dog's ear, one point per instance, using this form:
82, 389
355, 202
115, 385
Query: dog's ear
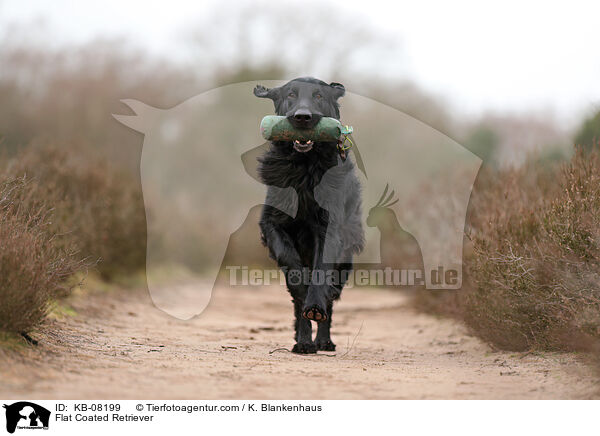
262, 92
338, 89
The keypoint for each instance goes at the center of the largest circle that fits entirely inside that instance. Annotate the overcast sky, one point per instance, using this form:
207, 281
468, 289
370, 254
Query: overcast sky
513, 56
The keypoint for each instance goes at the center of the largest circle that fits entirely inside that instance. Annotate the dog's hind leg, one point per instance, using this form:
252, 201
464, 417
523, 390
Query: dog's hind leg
304, 343
323, 340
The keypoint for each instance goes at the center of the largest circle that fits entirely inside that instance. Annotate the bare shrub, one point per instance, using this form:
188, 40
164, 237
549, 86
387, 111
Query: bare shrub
535, 263
532, 272
34, 268
99, 207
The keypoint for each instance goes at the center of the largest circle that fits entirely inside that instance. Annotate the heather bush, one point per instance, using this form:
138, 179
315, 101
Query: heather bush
35, 268
535, 264
97, 207
533, 258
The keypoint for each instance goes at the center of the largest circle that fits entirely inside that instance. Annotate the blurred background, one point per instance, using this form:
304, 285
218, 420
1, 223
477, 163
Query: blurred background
507, 78
503, 80
512, 82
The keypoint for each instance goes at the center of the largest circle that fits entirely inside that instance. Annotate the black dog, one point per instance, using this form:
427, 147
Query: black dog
328, 218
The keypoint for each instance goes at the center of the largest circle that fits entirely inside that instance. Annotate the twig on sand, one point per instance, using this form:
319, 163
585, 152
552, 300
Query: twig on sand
29, 339
279, 349
353, 340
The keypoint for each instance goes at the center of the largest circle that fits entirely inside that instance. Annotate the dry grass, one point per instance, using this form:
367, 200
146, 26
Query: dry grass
34, 266
62, 210
98, 208
532, 275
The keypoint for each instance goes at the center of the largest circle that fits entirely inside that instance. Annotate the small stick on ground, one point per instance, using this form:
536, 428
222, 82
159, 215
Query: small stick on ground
353, 340
279, 349
29, 339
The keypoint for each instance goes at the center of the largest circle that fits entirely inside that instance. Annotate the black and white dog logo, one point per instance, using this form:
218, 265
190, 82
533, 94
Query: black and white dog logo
26, 415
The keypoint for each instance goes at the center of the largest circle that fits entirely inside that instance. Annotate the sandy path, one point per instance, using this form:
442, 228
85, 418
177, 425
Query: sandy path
120, 346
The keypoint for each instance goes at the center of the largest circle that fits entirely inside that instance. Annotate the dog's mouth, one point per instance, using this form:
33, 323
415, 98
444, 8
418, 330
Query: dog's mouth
303, 146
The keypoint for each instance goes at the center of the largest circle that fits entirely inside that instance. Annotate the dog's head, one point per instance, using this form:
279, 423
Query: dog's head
304, 101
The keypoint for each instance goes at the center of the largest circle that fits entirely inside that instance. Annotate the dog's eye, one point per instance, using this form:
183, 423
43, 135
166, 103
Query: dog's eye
291, 95
318, 96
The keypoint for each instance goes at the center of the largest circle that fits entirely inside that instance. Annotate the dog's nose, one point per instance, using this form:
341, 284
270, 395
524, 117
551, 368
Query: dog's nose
302, 115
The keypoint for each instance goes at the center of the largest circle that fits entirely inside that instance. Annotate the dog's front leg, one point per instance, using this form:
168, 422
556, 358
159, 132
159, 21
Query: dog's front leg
282, 250
319, 296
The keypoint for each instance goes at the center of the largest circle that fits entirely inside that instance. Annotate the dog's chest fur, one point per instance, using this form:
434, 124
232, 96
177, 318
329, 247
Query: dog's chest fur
281, 166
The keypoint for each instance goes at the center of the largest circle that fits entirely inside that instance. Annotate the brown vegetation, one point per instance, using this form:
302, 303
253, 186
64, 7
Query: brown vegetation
98, 208
532, 274
34, 265
62, 210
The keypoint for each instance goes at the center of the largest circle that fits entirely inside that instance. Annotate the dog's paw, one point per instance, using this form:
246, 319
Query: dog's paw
315, 313
305, 348
325, 346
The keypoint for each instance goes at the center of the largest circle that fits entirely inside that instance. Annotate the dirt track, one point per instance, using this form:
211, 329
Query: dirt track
120, 346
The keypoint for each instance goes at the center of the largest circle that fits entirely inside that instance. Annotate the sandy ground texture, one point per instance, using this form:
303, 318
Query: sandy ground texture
120, 346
